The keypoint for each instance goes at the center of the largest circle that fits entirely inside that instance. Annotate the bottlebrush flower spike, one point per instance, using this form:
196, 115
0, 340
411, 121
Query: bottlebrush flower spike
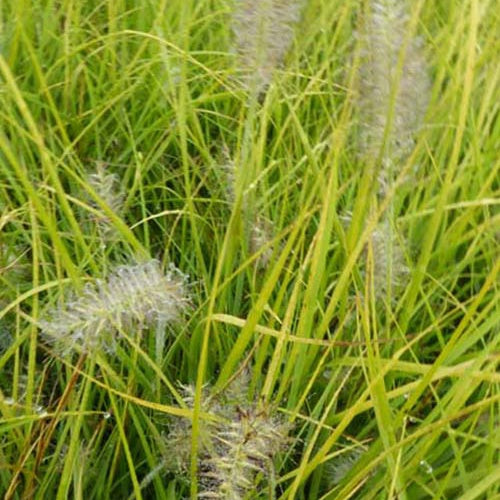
133, 297
341, 465
390, 268
263, 32
383, 39
108, 187
258, 229
244, 447
389, 263
261, 233
179, 436
234, 448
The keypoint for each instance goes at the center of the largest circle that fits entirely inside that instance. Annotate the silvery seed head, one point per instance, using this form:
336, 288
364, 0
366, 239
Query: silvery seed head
258, 229
245, 447
235, 447
263, 33
179, 436
383, 39
227, 168
389, 266
339, 467
107, 185
133, 297
261, 233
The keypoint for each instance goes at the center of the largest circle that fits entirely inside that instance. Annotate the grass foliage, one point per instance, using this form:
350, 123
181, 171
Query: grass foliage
310, 191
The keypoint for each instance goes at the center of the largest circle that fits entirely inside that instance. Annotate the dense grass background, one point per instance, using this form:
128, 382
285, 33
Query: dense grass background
390, 396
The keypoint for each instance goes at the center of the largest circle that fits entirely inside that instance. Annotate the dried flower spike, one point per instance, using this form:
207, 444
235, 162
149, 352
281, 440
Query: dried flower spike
263, 32
133, 297
381, 90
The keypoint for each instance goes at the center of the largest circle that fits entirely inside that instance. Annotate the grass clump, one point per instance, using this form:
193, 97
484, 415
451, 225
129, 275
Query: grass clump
325, 173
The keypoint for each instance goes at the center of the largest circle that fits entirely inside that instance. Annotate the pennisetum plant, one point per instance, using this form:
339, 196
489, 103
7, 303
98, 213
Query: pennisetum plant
134, 296
108, 187
394, 90
394, 86
237, 445
263, 33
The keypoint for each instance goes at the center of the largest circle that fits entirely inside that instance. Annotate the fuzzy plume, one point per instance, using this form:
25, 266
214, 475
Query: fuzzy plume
108, 187
258, 230
339, 467
383, 39
260, 234
178, 440
263, 32
227, 168
240, 443
133, 297
390, 268
389, 264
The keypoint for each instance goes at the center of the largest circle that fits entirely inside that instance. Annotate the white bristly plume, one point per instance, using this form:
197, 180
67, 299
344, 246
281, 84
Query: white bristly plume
108, 187
263, 33
383, 39
236, 447
390, 270
133, 297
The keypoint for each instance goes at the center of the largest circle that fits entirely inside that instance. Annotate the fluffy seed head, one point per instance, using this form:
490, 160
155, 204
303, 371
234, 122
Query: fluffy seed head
338, 467
389, 267
108, 187
383, 39
179, 436
228, 171
244, 447
133, 297
263, 32
258, 229
389, 263
241, 442
261, 233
